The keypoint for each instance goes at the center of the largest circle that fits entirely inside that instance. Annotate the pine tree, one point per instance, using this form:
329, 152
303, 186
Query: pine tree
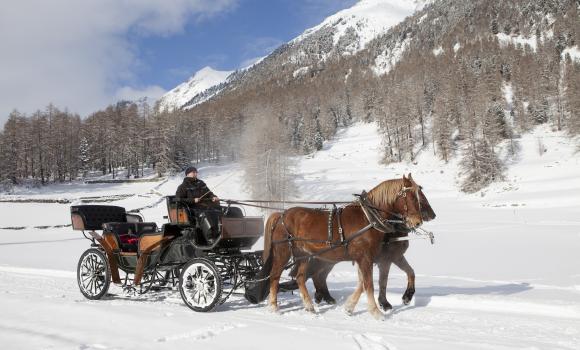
480, 164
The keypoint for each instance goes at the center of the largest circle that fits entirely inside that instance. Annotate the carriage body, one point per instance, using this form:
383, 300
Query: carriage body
166, 256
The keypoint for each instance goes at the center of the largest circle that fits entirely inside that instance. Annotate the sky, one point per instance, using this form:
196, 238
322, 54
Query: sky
84, 55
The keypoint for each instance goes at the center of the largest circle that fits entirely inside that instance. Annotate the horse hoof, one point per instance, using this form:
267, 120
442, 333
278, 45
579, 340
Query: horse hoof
348, 311
407, 299
378, 315
408, 296
310, 309
330, 301
318, 298
386, 306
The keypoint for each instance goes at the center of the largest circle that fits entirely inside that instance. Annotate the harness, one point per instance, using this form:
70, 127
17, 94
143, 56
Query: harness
371, 213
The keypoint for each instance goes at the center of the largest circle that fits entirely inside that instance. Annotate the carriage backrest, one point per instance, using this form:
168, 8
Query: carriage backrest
177, 211
92, 217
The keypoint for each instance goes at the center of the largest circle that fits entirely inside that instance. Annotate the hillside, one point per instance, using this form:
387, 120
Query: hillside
459, 78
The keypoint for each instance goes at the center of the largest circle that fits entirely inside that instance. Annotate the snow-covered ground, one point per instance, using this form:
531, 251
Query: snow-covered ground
503, 274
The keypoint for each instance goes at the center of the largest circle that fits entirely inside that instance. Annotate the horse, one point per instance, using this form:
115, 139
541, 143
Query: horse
392, 252
303, 232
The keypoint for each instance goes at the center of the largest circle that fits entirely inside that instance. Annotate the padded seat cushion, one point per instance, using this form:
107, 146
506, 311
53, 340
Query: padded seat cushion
128, 233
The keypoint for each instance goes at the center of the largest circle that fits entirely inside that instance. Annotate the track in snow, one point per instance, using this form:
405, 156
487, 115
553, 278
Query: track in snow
45, 307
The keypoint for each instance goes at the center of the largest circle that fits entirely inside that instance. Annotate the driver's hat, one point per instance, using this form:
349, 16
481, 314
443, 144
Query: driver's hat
190, 169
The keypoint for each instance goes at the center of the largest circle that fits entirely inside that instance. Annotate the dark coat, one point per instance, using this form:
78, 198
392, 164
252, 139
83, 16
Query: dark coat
193, 188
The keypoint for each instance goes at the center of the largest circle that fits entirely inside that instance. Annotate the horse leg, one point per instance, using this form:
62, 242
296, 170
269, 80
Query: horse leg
404, 265
366, 268
319, 280
301, 279
355, 296
384, 267
280, 256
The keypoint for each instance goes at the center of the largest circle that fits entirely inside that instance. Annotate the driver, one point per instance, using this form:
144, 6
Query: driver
193, 188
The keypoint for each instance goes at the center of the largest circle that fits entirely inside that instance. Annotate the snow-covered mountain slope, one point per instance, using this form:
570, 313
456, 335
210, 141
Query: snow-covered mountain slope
353, 28
201, 81
344, 33
503, 273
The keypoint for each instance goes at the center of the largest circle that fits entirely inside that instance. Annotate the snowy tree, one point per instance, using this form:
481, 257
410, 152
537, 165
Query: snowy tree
480, 164
84, 156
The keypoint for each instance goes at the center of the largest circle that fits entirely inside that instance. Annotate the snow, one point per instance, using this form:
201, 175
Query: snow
503, 273
202, 80
438, 51
300, 71
369, 19
516, 40
573, 52
508, 93
456, 47
387, 60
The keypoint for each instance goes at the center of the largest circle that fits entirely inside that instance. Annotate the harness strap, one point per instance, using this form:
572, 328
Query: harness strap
374, 217
330, 219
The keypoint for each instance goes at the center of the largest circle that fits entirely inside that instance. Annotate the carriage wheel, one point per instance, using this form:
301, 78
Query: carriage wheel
200, 285
93, 274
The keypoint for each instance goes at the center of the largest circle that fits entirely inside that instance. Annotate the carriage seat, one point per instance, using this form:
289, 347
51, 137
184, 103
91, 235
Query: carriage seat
128, 234
92, 217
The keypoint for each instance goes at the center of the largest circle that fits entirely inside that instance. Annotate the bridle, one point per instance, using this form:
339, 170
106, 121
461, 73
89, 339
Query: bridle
403, 194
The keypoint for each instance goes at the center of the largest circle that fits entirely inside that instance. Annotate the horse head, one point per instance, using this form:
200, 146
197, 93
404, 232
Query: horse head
427, 212
400, 197
408, 202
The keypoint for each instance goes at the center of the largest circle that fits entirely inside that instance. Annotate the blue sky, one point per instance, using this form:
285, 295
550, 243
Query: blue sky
230, 40
84, 55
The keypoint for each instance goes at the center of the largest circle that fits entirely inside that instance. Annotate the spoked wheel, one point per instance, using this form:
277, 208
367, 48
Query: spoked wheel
93, 274
200, 285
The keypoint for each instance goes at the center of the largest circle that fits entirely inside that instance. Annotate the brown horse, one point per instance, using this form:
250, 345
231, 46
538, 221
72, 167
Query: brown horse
302, 232
392, 252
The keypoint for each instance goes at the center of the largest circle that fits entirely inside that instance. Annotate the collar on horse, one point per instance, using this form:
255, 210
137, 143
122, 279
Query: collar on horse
372, 213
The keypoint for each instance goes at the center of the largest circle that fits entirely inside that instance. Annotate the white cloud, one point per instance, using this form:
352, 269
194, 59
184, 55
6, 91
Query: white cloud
77, 54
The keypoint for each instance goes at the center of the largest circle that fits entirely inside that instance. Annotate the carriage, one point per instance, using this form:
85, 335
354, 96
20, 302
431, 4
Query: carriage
203, 250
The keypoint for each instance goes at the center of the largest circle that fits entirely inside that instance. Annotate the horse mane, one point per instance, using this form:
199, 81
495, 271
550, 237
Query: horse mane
384, 194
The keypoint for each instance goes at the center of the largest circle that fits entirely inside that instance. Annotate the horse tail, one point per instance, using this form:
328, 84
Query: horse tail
258, 289
269, 232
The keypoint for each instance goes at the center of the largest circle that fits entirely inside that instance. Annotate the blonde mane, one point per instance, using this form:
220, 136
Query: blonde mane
384, 194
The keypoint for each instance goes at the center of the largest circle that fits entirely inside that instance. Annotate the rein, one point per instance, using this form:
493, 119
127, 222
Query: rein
246, 202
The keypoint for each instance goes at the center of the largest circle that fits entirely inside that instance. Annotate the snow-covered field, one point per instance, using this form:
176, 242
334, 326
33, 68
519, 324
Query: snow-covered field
504, 272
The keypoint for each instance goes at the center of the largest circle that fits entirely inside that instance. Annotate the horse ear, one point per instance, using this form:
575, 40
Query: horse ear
409, 177
404, 178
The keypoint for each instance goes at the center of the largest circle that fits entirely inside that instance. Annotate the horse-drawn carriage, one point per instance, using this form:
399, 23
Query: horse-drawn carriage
202, 250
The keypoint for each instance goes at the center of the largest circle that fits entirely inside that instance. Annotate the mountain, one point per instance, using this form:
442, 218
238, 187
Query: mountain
201, 81
344, 33
458, 78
